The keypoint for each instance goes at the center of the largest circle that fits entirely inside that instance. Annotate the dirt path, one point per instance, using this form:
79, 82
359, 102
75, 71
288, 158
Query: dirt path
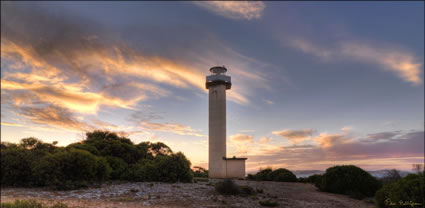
201, 194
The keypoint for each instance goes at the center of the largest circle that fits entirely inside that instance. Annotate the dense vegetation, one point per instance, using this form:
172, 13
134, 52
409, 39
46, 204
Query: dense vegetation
281, 174
349, 180
101, 156
404, 192
200, 172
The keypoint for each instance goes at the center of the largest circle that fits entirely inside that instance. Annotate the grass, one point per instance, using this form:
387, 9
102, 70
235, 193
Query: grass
31, 203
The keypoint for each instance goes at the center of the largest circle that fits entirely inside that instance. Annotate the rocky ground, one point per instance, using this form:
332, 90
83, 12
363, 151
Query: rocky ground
200, 194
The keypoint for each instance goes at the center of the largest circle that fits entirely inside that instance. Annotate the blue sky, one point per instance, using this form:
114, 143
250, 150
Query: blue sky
310, 79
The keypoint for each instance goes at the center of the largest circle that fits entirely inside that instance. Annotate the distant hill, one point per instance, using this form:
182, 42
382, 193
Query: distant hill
376, 173
307, 173
382, 173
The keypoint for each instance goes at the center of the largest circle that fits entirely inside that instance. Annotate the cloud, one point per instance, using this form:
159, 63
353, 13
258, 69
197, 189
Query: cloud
269, 102
400, 62
334, 149
145, 120
104, 125
265, 140
68, 96
175, 128
235, 9
295, 136
241, 138
381, 136
54, 116
11, 124
63, 51
328, 140
310, 48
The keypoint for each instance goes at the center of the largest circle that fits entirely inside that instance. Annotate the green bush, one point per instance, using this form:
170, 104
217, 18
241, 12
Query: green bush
200, 172
316, 179
409, 189
86, 147
349, 180
250, 177
282, 175
31, 203
268, 174
16, 167
71, 169
164, 168
118, 167
227, 187
101, 156
263, 175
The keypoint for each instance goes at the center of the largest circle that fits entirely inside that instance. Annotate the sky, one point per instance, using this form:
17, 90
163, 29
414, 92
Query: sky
314, 84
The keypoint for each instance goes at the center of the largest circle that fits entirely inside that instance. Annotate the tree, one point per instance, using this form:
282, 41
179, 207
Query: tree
418, 168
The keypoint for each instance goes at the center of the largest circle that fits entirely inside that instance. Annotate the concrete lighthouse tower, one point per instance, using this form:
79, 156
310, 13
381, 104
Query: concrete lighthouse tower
219, 166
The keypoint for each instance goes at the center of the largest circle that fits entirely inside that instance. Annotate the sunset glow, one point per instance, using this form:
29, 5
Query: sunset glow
341, 85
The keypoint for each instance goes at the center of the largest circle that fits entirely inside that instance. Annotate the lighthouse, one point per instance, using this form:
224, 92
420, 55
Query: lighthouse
219, 166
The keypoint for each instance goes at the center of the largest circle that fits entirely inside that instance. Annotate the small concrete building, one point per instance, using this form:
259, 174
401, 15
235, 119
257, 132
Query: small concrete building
219, 166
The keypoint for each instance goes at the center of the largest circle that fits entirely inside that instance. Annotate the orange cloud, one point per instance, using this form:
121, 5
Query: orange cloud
295, 136
265, 139
241, 138
399, 62
69, 96
54, 116
328, 140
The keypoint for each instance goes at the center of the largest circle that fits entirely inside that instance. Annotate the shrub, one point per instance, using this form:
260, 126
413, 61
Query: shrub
173, 168
282, 175
71, 169
227, 187
316, 179
263, 175
391, 176
16, 167
200, 172
268, 203
86, 147
118, 167
165, 168
408, 189
250, 177
102, 155
31, 203
349, 180
268, 174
